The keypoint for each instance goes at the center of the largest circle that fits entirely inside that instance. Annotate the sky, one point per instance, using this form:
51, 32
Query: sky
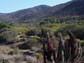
7, 6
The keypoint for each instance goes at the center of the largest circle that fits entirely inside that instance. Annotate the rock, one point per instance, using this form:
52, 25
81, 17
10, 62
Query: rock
31, 59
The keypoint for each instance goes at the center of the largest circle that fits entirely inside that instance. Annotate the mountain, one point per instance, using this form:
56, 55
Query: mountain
15, 16
1, 13
76, 7
71, 8
28, 14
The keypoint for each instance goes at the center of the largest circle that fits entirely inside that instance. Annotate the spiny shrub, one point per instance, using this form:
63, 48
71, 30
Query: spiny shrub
8, 36
32, 32
30, 43
76, 29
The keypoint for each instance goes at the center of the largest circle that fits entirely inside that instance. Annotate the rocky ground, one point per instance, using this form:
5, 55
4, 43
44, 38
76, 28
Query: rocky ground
15, 55
11, 55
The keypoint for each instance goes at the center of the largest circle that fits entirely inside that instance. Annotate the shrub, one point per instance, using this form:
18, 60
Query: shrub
75, 28
38, 55
30, 43
3, 25
32, 32
82, 43
8, 36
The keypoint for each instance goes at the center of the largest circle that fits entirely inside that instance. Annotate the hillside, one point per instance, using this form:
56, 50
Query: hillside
14, 16
74, 8
71, 8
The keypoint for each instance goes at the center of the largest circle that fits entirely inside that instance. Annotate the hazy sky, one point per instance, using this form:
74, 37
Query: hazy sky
7, 6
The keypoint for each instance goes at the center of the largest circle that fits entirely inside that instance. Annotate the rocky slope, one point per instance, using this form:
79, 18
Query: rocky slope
71, 8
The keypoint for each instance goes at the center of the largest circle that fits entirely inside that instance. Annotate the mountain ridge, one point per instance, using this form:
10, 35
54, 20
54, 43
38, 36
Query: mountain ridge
71, 8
